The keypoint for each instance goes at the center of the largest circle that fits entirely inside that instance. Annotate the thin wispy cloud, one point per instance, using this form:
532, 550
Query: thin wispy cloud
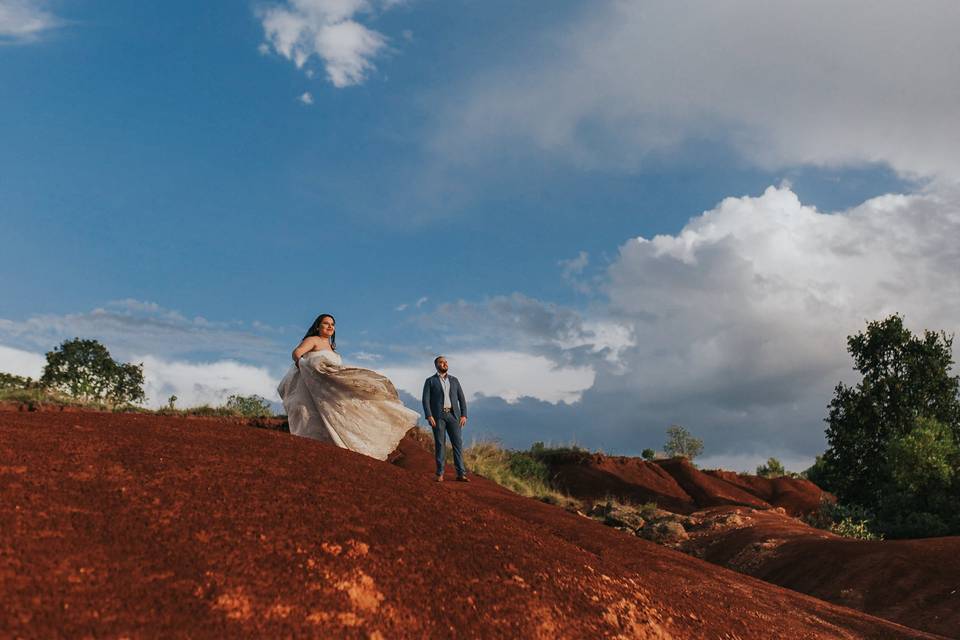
23, 21
510, 375
416, 305
329, 31
782, 84
306, 98
235, 358
200, 383
134, 326
21, 363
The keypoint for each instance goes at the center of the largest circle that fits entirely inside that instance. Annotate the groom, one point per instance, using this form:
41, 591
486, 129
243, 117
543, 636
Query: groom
446, 411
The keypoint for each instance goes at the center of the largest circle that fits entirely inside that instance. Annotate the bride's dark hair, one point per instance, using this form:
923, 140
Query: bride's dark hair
314, 329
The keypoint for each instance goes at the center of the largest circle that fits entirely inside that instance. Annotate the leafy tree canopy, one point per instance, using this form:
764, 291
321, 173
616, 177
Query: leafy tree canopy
84, 369
893, 438
681, 444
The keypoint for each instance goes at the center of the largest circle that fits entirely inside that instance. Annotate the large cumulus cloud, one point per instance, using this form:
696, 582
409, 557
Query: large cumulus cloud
736, 326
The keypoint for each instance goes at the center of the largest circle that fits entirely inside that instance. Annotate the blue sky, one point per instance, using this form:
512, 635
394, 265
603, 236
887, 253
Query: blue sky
193, 184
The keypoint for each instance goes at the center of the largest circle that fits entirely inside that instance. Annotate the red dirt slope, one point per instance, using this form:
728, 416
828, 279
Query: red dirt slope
676, 485
796, 495
913, 582
125, 525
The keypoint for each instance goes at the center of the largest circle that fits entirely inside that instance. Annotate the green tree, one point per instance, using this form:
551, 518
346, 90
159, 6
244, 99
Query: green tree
817, 473
681, 444
249, 406
11, 381
773, 469
905, 377
648, 454
925, 460
84, 369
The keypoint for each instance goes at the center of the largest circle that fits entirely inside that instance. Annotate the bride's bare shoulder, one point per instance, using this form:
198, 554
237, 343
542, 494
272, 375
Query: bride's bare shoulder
316, 343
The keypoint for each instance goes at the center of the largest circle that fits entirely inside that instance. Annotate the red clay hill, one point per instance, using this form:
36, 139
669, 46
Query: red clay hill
117, 525
678, 486
744, 522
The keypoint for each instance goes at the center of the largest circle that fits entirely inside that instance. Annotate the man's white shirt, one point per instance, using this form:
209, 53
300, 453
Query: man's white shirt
445, 383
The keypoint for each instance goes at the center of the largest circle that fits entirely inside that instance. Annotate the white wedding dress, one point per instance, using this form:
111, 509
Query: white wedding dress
353, 408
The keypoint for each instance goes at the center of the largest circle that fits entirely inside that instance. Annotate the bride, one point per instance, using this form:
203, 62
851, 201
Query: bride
353, 408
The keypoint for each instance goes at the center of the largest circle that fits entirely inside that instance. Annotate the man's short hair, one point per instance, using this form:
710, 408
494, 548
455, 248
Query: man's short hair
437, 359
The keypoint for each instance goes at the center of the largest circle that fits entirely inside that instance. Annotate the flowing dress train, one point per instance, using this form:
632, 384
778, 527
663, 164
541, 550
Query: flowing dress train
351, 407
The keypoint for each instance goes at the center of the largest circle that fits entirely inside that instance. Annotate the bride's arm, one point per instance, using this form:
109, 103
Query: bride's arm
302, 348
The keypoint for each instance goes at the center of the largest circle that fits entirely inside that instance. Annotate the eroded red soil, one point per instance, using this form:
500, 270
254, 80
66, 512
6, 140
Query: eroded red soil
913, 582
678, 486
133, 525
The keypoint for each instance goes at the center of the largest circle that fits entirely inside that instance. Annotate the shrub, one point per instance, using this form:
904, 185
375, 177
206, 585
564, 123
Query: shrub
248, 406
524, 465
648, 454
850, 521
10, 381
851, 528
773, 469
558, 454
520, 472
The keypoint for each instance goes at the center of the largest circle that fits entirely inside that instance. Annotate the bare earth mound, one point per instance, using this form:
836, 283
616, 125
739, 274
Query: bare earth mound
114, 525
913, 582
678, 486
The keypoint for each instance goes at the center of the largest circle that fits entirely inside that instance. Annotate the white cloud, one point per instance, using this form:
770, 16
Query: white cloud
24, 20
518, 322
194, 383
327, 29
734, 327
785, 83
575, 266
419, 303
739, 322
306, 98
750, 462
21, 363
133, 326
197, 384
510, 375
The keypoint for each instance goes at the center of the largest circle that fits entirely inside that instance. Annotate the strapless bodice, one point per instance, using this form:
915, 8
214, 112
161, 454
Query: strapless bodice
325, 356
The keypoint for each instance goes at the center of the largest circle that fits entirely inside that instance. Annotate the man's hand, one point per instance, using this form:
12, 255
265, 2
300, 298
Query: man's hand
432, 421
463, 421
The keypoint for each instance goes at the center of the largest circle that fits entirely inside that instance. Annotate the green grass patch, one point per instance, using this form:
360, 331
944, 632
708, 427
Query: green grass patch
518, 471
36, 397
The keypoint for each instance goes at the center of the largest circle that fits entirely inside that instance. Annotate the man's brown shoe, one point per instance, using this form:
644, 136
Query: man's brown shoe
439, 478
463, 479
